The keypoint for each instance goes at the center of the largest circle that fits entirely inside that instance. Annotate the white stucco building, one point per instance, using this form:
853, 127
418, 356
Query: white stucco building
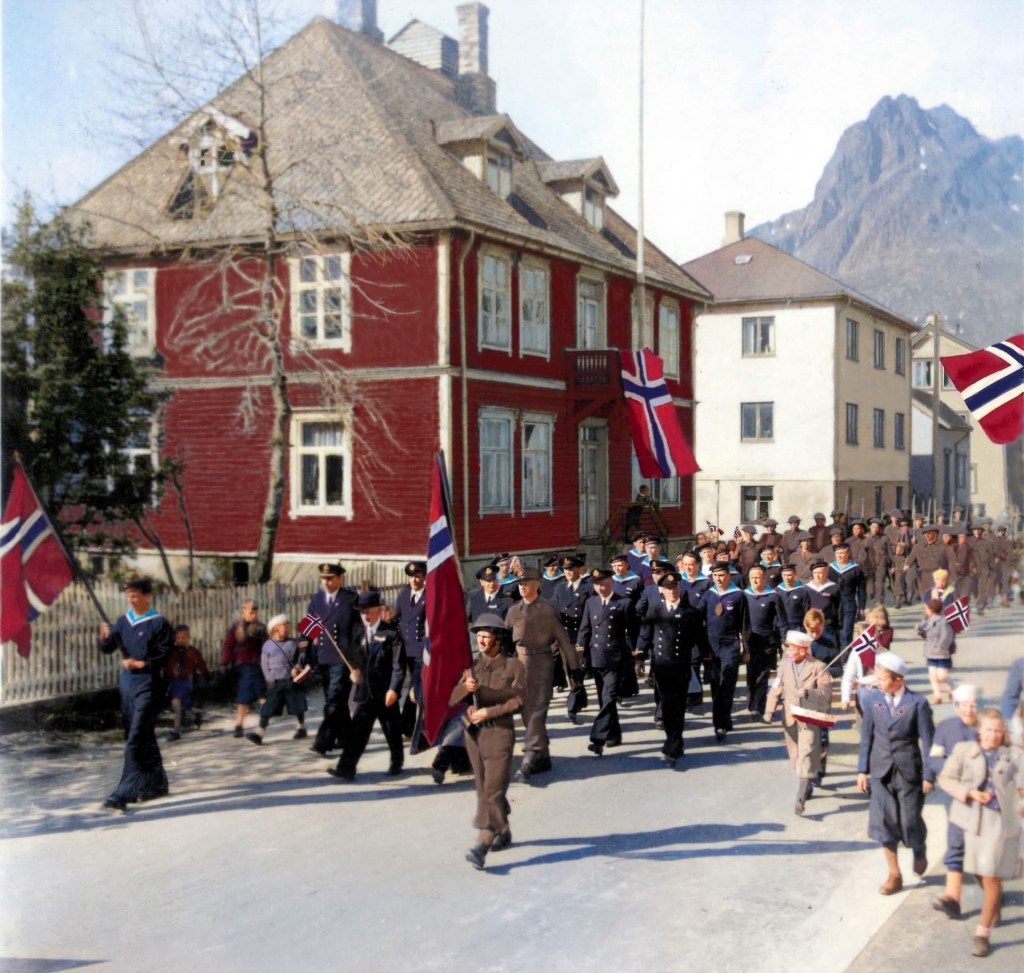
802, 390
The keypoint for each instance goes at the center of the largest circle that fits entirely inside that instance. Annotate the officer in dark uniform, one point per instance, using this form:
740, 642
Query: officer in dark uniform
725, 618
603, 636
551, 578
411, 621
489, 597
568, 600
669, 633
335, 605
378, 654
761, 637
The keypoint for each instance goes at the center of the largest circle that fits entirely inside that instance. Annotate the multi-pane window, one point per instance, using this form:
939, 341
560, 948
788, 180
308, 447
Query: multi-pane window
665, 492
879, 349
756, 420
538, 435
134, 291
534, 317
898, 440
852, 417
878, 428
900, 356
322, 299
495, 328
759, 336
589, 314
756, 502
499, 173
321, 467
496, 461
668, 338
921, 373
852, 340
593, 208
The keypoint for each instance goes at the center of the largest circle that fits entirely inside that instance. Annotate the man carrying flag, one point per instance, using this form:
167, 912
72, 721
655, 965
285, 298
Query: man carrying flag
34, 568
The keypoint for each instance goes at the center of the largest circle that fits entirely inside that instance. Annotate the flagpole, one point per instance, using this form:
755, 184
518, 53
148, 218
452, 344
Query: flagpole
73, 562
641, 273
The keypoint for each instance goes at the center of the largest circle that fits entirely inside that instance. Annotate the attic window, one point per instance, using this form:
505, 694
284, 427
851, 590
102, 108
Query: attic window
499, 173
212, 152
593, 208
743, 258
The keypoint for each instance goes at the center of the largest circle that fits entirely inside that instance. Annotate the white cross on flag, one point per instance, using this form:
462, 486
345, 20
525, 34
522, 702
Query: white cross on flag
991, 380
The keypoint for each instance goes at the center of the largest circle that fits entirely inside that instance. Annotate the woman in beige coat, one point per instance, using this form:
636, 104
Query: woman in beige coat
985, 779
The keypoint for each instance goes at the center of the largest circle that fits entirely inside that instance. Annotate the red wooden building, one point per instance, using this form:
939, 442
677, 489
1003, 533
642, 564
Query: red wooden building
441, 283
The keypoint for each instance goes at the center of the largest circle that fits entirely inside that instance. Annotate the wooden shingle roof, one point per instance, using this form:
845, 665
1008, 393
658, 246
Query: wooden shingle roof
352, 139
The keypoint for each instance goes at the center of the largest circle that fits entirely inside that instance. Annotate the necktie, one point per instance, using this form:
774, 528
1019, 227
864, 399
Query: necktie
890, 701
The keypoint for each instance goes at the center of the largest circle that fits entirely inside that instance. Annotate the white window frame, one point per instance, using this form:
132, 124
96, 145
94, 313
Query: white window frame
140, 336
919, 366
759, 410
297, 508
501, 293
500, 505
535, 304
547, 420
668, 342
666, 492
601, 333
320, 287
762, 501
498, 172
756, 328
593, 207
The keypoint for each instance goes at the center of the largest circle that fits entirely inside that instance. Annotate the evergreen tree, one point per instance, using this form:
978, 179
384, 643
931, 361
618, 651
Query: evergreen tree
74, 399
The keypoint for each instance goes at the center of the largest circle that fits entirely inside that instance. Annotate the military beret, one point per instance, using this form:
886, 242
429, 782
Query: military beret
600, 574
416, 567
770, 547
487, 573
329, 570
668, 579
369, 599
498, 558
719, 566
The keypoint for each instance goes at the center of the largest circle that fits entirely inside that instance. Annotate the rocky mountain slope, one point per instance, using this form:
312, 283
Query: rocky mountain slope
920, 212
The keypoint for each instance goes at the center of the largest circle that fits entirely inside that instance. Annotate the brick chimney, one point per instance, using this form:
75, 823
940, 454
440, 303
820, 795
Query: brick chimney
474, 90
734, 230
360, 16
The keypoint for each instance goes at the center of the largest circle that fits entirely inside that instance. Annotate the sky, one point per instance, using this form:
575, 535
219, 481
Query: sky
744, 100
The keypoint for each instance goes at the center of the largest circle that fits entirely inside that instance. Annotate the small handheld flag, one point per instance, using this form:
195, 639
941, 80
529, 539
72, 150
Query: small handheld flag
958, 614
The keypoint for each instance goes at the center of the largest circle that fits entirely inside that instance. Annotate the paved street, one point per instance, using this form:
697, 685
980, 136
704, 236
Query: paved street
260, 861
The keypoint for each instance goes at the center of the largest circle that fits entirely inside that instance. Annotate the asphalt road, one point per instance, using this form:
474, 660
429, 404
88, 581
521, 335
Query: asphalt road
258, 860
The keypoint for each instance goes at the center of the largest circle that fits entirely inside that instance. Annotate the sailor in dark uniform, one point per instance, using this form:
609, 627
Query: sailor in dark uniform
411, 620
551, 577
638, 552
669, 632
847, 574
793, 602
144, 638
630, 586
692, 587
603, 636
823, 594
772, 566
568, 600
762, 638
725, 617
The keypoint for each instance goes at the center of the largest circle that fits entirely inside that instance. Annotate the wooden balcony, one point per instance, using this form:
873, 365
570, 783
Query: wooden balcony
593, 379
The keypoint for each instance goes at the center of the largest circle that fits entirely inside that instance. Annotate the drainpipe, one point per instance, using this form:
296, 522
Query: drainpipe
464, 390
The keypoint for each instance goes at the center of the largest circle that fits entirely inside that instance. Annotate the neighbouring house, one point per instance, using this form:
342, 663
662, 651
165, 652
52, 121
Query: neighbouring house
990, 482
435, 281
954, 452
802, 389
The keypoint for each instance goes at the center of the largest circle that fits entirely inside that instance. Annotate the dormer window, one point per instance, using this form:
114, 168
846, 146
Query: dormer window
499, 173
213, 149
593, 208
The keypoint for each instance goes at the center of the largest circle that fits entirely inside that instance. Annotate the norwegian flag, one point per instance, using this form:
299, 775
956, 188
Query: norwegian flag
661, 448
446, 649
866, 646
33, 567
991, 380
736, 534
958, 614
713, 528
311, 626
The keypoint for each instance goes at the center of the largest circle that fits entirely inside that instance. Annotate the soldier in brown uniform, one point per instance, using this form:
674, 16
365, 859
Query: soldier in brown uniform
860, 549
984, 560
893, 530
819, 533
790, 539
963, 561
927, 556
1003, 548
838, 520
881, 560
828, 552
536, 628
770, 535
497, 684
747, 551
803, 557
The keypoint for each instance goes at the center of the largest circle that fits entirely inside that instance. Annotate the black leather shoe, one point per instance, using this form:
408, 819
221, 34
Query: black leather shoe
502, 840
320, 753
239, 733
720, 736
114, 803
667, 760
476, 855
254, 737
523, 774
438, 774
300, 734
394, 770
596, 748
341, 774
617, 742
540, 765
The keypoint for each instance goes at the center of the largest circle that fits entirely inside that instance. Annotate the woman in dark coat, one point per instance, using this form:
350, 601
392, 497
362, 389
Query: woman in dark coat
143, 637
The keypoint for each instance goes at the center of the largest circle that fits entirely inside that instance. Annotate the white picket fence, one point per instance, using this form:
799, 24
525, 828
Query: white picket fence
65, 657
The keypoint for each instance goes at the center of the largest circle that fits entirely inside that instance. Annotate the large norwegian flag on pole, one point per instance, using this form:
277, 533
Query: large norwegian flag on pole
33, 567
991, 380
661, 448
447, 645
958, 614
